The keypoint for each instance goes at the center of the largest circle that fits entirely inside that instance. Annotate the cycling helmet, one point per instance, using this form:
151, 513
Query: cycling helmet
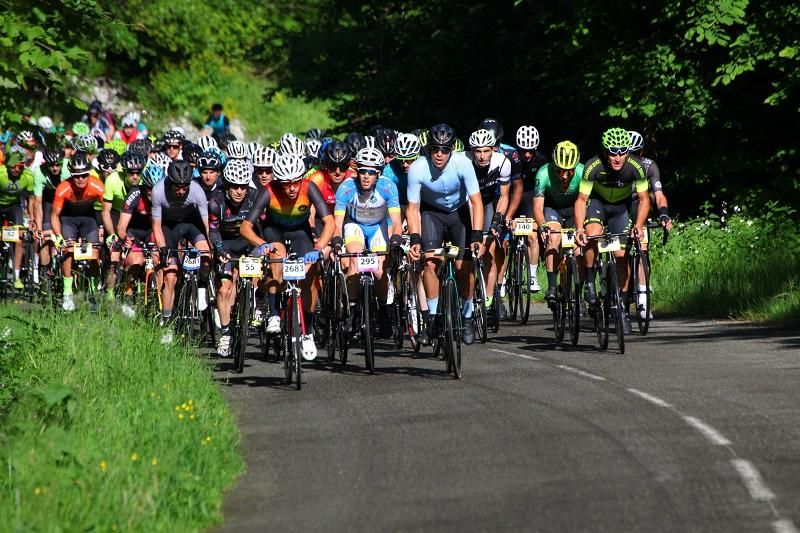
386, 141
615, 137
236, 150
224, 139
423, 138
237, 172
264, 157
314, 133
251, 149
141, 146
16, 157
527, 138
337, 153
407, 146
152, 175
355, 141
312, 147
180, 173
494, 126
173, 136
133, 161
107, 159
25, 137
80, 128
288, 168
290, 144
79, 164
637, 141
53, 156
370, 157
206, 142
566, 155
159, 159
86, 143
481, 139
441, 135
130, 120
45, 123
191, 152
370, 141
208, 160
458, 146
118, 145
95, 106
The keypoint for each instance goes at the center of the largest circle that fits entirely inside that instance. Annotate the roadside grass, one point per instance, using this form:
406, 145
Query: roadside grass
103, 429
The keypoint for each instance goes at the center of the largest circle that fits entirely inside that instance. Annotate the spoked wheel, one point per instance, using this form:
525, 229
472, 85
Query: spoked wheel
642, 311
497, 304
479, 305
573, 301
616, 307
336, 309
523, 270
242, 329
512, 286
414, 322
366, 327
397, 307
452, 329
602, 312
560, 313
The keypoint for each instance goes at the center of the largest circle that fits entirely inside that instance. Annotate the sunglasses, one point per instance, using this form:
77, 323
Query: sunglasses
173, 147
180, 187
237, 186
369, 171
341, 167
293, 182
407, 159
80, 176
617, 150
443, 149
264, 170
133, 172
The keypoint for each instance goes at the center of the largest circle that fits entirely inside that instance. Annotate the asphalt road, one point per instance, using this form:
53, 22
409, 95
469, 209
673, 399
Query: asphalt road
695, 428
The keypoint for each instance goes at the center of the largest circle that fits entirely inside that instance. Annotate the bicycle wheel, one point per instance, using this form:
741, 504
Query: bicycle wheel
602, 311
616, 306
287, 341
366, 326
643, 311
512, 285
242, 326
193, 314
573, 297
413, 320
479, 304
297, 342
452, 328
560, 309
398, 307
523, 267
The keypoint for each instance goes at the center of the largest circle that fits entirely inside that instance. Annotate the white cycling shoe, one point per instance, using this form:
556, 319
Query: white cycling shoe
274, 324
68, 304
224, 346
309, 348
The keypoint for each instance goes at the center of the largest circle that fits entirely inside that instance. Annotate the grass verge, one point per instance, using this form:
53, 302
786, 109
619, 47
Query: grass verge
103, 429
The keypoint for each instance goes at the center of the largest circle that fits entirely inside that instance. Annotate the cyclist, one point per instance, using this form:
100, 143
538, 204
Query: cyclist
130, 129
263, 159
179, 211
45, 180
364, 206
531, 161
173, 144
553, 204
441, 186
607, 183
493, 171
356, 142
16, 188
335, 171
286, 202
406, 151
226, 212
209, 165
73, 216
100, 122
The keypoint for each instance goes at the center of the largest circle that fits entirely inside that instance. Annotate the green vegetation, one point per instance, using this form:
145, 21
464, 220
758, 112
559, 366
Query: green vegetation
103, 429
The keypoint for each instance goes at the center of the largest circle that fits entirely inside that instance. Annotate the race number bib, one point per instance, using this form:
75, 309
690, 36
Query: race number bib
608, 245
191, 262
568, 239
148, 264
10, 234
249, 267
83, 252
367, 263
523, 226
294, 270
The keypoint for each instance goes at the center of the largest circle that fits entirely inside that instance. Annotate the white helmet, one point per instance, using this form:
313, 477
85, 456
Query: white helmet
87, 143
263, 157
46, 123
27, 136
179, 130
527, 138
482, 138
637, 141
237, 172
288, 168
237, 150
370, 157
159, 159
407, 146
370, 140
251, 149
312, 147
130, 120
292, 145
206, 142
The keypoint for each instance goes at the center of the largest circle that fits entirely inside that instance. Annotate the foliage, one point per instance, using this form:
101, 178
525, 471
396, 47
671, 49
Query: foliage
105, 429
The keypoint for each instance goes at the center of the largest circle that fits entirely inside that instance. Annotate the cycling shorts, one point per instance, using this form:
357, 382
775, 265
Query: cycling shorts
565, 217
47, 208
372, 237
300, 237
174, 233
84, 227
235, 248
526, 205
12, 213
616, 217
455, 226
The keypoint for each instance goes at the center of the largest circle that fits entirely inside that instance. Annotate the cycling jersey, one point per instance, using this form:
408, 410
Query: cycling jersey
173, 209
321, 178
599, 181
135, 136
44, 184
548, 186
13, 190
653, 174
367, 207
394, 171
446, 189
220, 125
78, 202
492, 176
225, 218
530, 170
115, 191
284, 212
138, 205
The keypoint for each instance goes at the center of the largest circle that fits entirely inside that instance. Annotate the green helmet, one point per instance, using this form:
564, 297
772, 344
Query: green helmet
80, 128
616, 137
458, 146
118, 145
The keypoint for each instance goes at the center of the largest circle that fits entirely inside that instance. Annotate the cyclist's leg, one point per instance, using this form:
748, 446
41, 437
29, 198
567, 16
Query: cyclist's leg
274, 236
595, 217
492, 254
170, 272
14, 215
432, 237
354, 243
460, 230
618, 221
553, 220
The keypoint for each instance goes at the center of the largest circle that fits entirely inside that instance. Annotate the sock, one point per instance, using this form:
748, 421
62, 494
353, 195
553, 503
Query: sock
16, 273
273, 308
552, 279
433, 304
466, 307
426, 315
166, 314
533, 269
489, 301
308, 320
67, 286
642, 295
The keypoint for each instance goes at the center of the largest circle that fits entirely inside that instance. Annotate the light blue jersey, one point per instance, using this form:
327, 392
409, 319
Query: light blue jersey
446, 189
367, 208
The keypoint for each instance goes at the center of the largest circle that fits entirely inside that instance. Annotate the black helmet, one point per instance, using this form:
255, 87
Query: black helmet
314, 133
107, 159
494, 126
53, 156
442, 135
355, 141
173, 137
337, 153
224, 139
191, 152
209, 160
79, 163
95, 107
133, 161
180, 173
140, 146
385, 140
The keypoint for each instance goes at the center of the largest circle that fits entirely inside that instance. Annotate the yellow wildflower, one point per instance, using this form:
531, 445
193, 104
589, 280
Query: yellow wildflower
103, 465
134, 456
37, 490
180, 416
154, 461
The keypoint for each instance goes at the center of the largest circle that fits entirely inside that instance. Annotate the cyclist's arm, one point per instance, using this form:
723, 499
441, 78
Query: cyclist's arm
477, 214
413, 218
247, 229
538, 210
516, 199
55, 218
644, 209
580, 210
38, 211
503, 201
32, 212
158, 233
122, 225
319, 204
108, 223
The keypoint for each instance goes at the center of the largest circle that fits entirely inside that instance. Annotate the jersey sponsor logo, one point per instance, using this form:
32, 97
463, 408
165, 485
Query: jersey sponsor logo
658, 184
302, 208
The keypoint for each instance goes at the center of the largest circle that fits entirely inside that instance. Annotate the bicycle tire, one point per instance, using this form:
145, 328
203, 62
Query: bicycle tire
297, 342
331, 309
642, 315
414, 321
560, 312
193, 313
616, 305
602, 312
242, 327
511, 286
524, 305
497, 303
452, 328
287, 342
366, 327
398, 308
479, 304
574, 299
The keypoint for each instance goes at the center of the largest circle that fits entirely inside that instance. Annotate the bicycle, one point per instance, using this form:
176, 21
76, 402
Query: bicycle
250, 268
406, 312
85, 268
567, 305
479, 303
13, 236
518, 270
336, 308
51, 278
641, 258
450, 301
187, 315
609, 298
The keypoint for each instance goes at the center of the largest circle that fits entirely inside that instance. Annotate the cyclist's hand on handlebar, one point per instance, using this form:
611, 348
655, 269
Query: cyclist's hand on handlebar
58, 241
312, 256
395, 241
666, 222
580, 237
263, 249
477, 249
414, 252
544, 233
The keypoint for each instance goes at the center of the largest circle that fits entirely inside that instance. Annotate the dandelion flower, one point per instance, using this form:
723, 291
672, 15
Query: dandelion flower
103, 465
181, 416
37, 490
154, 461
134, 457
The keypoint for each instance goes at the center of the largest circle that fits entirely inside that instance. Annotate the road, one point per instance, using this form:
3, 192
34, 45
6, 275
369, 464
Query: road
695, 428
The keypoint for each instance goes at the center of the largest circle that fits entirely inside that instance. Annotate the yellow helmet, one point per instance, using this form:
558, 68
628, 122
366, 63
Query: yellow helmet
566, 155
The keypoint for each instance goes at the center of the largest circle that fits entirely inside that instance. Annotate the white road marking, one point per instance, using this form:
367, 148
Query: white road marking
784, 526
650, 398
530, 357
708, 432
581, 372
752, 480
